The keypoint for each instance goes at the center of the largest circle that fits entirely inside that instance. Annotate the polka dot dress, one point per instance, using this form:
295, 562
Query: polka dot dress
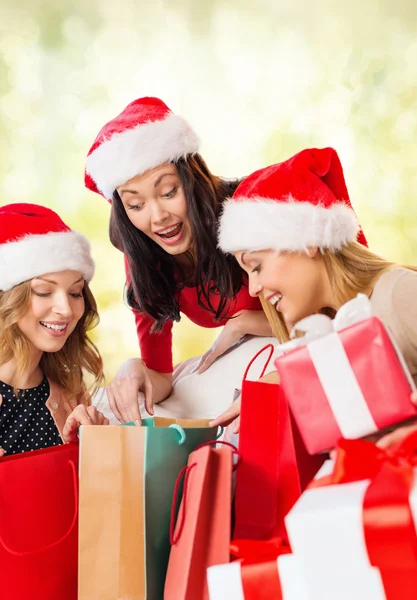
25, 422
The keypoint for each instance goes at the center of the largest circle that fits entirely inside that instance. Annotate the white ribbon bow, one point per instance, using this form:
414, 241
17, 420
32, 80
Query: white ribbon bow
317, 326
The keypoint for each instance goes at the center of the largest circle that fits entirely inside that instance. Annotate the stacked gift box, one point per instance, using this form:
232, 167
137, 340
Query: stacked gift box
356, 522
159, 517
351, 535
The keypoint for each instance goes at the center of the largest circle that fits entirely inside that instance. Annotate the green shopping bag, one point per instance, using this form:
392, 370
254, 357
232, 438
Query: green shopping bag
127, 480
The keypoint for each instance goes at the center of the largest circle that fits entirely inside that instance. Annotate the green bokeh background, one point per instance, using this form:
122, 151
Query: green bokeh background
257, 80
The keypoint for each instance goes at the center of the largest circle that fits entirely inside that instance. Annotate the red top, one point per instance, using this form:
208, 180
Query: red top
156, 348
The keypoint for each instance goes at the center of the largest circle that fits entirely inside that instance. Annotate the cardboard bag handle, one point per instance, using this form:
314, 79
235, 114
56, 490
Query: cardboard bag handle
21, 553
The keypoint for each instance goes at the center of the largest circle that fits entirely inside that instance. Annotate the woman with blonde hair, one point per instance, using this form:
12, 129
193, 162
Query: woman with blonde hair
46, 311
292, 228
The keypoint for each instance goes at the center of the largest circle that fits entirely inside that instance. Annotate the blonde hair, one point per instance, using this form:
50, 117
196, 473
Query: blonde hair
64, 367
351, 270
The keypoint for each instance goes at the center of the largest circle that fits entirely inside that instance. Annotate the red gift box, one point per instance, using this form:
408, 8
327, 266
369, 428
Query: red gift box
359, 521
266, 570
346, 383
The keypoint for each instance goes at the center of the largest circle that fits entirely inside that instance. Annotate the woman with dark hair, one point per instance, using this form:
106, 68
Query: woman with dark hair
165, 210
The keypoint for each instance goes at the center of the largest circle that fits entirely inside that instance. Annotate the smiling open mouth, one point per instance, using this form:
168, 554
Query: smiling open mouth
171, 235
170, 232
275, 300
55, 328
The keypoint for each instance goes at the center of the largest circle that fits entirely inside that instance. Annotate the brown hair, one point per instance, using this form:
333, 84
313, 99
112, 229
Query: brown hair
64, 367
352, 270
156, 277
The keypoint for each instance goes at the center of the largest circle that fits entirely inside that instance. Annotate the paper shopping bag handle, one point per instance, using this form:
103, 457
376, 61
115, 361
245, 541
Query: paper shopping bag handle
61, 539
183, 435
271, 351
180, 432
234, 448
186, 472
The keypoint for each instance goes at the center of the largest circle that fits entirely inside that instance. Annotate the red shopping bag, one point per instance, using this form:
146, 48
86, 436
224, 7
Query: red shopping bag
202, 533
39, 524
275, 465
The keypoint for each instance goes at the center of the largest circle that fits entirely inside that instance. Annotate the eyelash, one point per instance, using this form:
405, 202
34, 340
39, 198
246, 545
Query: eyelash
256, 269
167, 196
48, 294
170, 194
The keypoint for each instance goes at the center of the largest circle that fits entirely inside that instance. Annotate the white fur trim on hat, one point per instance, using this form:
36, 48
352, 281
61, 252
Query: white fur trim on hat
265, 224
36, 255
136, 150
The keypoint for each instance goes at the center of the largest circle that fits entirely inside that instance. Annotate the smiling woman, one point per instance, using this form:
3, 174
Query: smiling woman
57, 304
293, 283
155, 204
300, 242
46, 310
164, 217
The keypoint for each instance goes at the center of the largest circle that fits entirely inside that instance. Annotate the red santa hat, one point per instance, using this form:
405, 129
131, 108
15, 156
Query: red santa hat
34, 241
292, 205
145, 134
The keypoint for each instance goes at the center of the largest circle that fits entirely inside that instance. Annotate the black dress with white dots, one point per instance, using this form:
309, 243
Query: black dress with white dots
25, 421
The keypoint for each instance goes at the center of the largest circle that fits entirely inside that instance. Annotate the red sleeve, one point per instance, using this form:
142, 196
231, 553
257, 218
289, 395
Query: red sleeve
155, 348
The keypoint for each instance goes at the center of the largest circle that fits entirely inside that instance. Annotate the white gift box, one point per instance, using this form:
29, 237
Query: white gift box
325, 526
344, 585
225, 581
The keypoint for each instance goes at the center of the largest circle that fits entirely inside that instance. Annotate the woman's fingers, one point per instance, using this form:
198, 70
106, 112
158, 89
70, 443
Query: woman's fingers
95, 416
113, 404
123, 398
237, 425
148, 392
228, 416
69, 433
206, 361
201, 362
133, 411
81, 415
396, 436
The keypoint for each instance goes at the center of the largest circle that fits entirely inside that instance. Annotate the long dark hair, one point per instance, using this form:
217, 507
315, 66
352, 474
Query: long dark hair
156, 277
